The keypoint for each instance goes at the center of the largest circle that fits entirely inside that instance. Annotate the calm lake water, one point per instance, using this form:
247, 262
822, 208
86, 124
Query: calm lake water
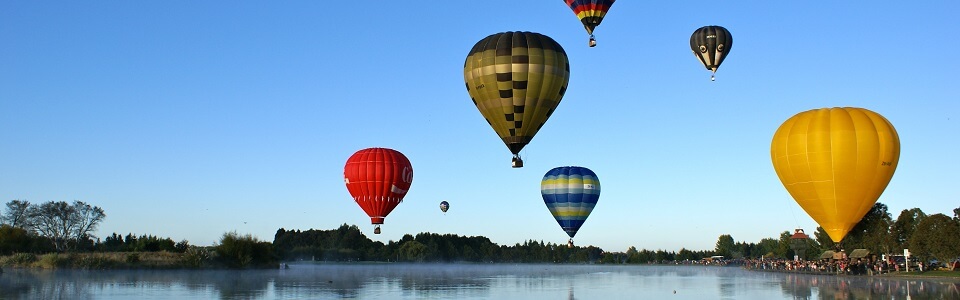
464, 281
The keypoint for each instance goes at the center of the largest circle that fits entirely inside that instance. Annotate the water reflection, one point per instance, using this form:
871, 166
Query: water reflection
466, 281
867, 287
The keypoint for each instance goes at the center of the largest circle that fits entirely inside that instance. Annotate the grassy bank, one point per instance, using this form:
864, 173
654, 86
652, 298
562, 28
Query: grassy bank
926, 274
103, 261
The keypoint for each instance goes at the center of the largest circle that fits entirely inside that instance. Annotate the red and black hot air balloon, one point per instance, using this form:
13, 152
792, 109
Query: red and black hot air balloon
378, 178
590, 13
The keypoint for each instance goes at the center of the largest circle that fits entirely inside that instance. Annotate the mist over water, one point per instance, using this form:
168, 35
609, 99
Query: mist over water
463, 281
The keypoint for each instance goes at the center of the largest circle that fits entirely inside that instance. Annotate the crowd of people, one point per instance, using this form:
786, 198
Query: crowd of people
848, 266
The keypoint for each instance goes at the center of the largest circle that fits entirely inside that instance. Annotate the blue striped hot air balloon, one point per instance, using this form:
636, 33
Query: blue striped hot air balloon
570, 193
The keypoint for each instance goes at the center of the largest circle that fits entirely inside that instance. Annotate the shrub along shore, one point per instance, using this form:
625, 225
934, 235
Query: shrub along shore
106, 261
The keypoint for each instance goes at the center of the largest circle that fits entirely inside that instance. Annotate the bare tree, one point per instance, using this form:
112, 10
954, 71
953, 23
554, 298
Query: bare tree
85, 219
16, 214
64, 223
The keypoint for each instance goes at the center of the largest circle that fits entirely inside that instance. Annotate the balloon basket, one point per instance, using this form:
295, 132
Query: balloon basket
593, 41
517, 162
376, 229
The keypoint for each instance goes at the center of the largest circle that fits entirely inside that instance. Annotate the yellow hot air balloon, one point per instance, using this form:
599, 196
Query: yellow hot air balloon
836, 162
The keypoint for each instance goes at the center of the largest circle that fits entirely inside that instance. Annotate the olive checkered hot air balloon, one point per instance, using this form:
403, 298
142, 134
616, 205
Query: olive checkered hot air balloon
516, 80
591, 13
570, 193
711, 44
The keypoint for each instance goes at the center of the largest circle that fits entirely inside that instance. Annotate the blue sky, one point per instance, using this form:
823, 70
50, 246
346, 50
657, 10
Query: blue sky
188, 120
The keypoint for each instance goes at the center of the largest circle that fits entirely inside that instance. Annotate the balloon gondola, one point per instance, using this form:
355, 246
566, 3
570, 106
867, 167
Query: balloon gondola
378, 179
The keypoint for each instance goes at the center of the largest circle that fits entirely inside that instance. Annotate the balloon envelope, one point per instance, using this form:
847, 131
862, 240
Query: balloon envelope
711, 44
570, 193
516, 80
378, 179
590, 12
444, 206
836, 162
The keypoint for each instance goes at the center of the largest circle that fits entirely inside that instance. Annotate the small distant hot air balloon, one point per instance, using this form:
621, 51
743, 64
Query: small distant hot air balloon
570, 193
590, 13
836, 162
516, 80
378, 178
711, 44
444, 206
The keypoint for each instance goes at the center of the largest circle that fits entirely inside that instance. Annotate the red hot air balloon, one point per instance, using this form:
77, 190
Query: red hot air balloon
378, 178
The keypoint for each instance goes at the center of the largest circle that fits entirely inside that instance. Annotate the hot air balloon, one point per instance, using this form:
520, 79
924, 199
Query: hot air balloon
570, 193
378, 178
591, 13
836, 162
444, 206
516, 80
711, 44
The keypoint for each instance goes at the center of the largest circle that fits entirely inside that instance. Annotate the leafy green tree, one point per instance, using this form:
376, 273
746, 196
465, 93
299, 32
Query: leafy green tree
903, 228
937, 236
685, 254
13, 239
783, 245
413, 251
824, 240
725, 246
767, 247
245, 251
872, 232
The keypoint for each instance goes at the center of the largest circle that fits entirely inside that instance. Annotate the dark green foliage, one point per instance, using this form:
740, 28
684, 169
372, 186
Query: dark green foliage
16, 240
726, 246
13, 239
937, 236
824, 239
143, 243
902, 229
872, 232
644, 256
347, 243
236, 251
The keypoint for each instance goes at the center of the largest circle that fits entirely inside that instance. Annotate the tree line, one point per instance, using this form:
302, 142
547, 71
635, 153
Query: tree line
927, 237
65, 227
58, 226
347, 243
